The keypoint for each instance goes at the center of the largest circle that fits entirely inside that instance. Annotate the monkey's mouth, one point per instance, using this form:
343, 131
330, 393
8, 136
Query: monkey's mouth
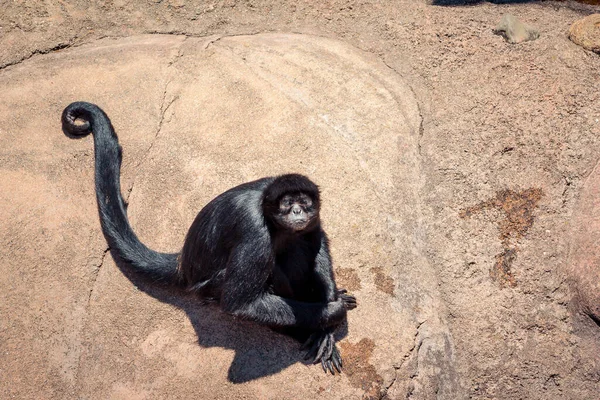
299, 224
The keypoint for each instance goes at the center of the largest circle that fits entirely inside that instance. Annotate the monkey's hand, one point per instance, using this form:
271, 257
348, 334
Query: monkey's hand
320, 347
348, 299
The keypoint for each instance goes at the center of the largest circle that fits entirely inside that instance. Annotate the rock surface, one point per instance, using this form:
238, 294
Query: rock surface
509, 136
584, 263
222, 111
586, 33
515, 31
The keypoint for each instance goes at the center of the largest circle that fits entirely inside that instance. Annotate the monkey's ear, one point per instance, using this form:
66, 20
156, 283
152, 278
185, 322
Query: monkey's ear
290, 183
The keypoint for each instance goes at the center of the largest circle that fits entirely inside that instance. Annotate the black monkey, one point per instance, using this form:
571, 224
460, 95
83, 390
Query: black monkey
257, 249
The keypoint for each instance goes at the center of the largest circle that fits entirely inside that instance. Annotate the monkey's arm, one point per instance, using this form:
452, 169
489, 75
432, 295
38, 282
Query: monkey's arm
324, 270
271, 310
321, 345
323, 275
245, 293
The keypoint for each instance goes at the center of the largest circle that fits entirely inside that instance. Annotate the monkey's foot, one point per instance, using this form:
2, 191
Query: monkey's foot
321, 347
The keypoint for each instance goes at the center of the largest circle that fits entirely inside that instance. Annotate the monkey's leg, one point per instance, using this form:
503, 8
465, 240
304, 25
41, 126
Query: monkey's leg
272, 310
245, 292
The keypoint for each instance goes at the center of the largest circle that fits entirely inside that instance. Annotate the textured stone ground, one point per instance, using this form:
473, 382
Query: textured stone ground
456, 172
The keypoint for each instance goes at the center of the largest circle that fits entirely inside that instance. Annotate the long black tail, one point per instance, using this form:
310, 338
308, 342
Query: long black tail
113, 216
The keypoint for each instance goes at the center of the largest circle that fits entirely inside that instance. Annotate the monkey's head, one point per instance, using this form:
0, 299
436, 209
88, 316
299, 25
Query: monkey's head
291, 202
296, 212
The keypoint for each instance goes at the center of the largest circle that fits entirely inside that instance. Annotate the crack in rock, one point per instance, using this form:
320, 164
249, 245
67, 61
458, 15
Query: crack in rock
417, 348
384, 392
58, 47
419, 107
71, 43
163, 111
97, 269
95, 278
219, 37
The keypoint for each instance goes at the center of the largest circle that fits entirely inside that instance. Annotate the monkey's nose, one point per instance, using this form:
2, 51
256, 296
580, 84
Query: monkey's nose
296, 210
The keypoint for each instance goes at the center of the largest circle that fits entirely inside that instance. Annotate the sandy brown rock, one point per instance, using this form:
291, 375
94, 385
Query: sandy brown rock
586, 32
222, 111
496, 120
584, 263
515, 31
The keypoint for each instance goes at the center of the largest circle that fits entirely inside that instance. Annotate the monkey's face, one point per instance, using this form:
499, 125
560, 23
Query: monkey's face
297, 212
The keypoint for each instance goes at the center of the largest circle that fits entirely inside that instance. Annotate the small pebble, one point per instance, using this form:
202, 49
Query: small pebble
514, 31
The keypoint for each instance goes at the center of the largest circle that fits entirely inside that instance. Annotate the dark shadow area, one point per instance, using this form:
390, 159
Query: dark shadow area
259, 351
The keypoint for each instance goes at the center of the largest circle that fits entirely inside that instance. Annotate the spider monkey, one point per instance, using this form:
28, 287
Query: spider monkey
257, 249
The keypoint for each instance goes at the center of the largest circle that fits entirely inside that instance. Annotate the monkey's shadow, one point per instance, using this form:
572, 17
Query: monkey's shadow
259, 351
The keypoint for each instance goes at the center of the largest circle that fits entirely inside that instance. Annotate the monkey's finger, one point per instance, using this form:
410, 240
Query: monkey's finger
332, 356
317, 343
323, 365
330, 367
349, 297
330, 346
337, 361
321, 351
342, 291
337, 356
349, 302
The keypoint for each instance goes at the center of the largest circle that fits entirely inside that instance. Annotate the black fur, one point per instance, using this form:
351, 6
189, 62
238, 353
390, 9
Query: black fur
291, 183
113, 216
232, 253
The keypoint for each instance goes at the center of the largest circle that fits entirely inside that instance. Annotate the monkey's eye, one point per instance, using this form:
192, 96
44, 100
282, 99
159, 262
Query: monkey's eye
307, 204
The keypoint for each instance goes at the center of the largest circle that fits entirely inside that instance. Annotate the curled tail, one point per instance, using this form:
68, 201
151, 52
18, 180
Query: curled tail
113, 216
